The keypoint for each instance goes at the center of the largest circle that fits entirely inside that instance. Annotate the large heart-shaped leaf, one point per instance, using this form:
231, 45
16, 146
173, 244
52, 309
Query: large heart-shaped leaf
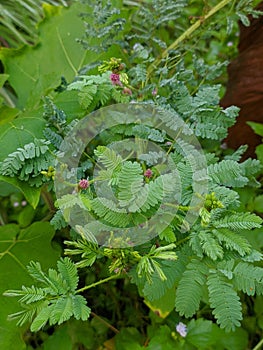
36, 70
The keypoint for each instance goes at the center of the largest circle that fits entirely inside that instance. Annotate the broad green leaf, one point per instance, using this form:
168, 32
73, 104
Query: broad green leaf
31, 194
162, 340
17, 249
7, 114
26, 216
257, 127
163, 306
3, 79
128, 338
71, 335
259, 153
237, 340
82, 332
202, 333
35, 70
59, 340
68, 102
258, 204
19, 132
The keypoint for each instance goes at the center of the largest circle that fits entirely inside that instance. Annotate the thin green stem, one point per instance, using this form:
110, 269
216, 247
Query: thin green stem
2, 221
258, 346
181, 207
186, 35
182, 241
48, 200
7, 98
115, 330
99, 282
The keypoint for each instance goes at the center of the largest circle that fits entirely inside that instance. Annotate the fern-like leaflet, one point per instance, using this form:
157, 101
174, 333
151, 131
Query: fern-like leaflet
190, 288
225, 302
55, 301
27, 162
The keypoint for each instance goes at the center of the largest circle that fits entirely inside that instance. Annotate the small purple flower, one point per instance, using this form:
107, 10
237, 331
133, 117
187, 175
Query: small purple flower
181, 329
169, 143
154, 92
229, 44
83, 184
223, 146
148, 173
115, 79
24, 203
16, 204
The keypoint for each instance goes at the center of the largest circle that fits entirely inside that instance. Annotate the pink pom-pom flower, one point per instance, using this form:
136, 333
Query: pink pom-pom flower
83, 184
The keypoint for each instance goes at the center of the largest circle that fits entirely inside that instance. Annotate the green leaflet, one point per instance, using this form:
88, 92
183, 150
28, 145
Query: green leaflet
232, 241
68, 273
108, 157
210, 245
190, 288
58, 220
228, 173
35, 241
27, 162
56, 301
225, 302
239, 221
248, 278
130, 182
21, 131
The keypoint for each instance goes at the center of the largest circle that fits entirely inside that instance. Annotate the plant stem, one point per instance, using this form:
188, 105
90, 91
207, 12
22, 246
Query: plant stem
115, 330
98, 283
2, 221
258, 346
48, 200
186, 35
182, 241
7, 98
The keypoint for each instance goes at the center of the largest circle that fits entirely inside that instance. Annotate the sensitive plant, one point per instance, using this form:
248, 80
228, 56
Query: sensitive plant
192, 275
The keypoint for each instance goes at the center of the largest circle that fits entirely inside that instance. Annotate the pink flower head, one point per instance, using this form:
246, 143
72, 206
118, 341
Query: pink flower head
154, 92
127, 91
148, 173
83, 184
181, 329
115, 79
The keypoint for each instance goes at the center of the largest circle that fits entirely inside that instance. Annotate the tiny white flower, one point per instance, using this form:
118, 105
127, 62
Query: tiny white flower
181, 329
